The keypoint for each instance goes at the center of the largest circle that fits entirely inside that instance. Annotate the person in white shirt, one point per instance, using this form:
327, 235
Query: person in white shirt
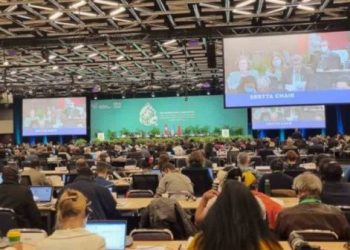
73, 209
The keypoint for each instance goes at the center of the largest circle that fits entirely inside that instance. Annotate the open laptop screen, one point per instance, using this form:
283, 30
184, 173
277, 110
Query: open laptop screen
42, 194
112, 231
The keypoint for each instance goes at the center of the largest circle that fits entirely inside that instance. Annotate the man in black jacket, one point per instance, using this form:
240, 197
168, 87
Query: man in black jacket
102, 202
19, 198
335, 191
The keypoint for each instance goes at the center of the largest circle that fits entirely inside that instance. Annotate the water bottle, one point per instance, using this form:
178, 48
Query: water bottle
267, 187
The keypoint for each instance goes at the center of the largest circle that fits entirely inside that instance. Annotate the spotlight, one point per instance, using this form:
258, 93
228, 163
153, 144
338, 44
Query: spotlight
153, 95
208, 92
177, 94
95, 97
123, 96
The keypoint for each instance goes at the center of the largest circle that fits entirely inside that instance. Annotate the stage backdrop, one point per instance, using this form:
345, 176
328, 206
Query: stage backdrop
165, 116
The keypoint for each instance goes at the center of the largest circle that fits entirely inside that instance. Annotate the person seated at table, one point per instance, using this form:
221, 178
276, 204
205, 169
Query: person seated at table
278, 180
173, 181
311, 213
162, 160
19, 198
234, 222
269, 207
289, 146
292, 161
334, 191
196, 159
73, 210
102, 174
243, 162
37, 177
102, 202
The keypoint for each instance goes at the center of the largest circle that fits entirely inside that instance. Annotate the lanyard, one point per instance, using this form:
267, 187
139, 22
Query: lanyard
310, 201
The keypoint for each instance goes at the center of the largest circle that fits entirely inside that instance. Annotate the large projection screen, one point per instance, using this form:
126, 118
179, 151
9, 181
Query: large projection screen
285, 70
54, 116
289, 117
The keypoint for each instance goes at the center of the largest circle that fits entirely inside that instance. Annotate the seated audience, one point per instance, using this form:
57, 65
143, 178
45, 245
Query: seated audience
102, 201
334, 191
162, 160
19, 198
292, 160
196, 159
289, 146
102, 173
243, 162
269, 208
234, 222
278, 180
311, 213
36, 176
173, 181
73, 210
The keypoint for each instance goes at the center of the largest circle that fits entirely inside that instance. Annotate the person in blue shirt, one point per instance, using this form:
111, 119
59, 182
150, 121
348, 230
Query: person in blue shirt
102, 173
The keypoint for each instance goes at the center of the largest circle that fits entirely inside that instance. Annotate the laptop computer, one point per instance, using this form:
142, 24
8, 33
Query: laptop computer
112, 231
42, 194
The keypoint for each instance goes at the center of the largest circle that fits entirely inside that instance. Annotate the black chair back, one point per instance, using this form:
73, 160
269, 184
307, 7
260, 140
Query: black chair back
294, 173
8, 220
145, 182
256, 161
25, 180
69, 178
201, 179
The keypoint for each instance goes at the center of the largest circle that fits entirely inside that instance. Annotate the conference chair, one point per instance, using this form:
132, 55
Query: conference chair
139, 194
25, 180
270, 158
201, 179
346, 211
294, 173
181, 163
145, 181
256, 161
7, 220
131, 162
264, 153
315, 149
151, 234
317, 235
69, 178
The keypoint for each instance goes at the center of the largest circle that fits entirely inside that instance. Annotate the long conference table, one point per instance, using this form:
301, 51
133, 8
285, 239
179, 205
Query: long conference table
181, 245
134, 204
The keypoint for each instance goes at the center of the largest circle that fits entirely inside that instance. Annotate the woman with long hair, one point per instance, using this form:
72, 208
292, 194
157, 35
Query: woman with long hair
234, 222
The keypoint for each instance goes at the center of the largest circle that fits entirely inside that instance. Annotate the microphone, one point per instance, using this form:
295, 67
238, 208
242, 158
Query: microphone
297, 242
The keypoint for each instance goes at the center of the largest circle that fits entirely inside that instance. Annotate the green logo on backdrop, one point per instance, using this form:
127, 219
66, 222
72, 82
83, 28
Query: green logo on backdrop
148, 115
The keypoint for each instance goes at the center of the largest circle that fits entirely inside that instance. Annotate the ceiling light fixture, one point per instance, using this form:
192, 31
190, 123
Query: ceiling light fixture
40, 7
120, 58
51, 57
281, 2
79, 46
6, 63
171, 41
92, 55
84, 13
117, 11
105, 2
55, 15
244, 3
55, 67
11, 8
242, 12
77, 5
306, 8
79, 77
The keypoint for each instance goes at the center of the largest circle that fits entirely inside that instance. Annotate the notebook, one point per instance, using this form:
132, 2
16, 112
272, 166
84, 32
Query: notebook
42, 194
112, 231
